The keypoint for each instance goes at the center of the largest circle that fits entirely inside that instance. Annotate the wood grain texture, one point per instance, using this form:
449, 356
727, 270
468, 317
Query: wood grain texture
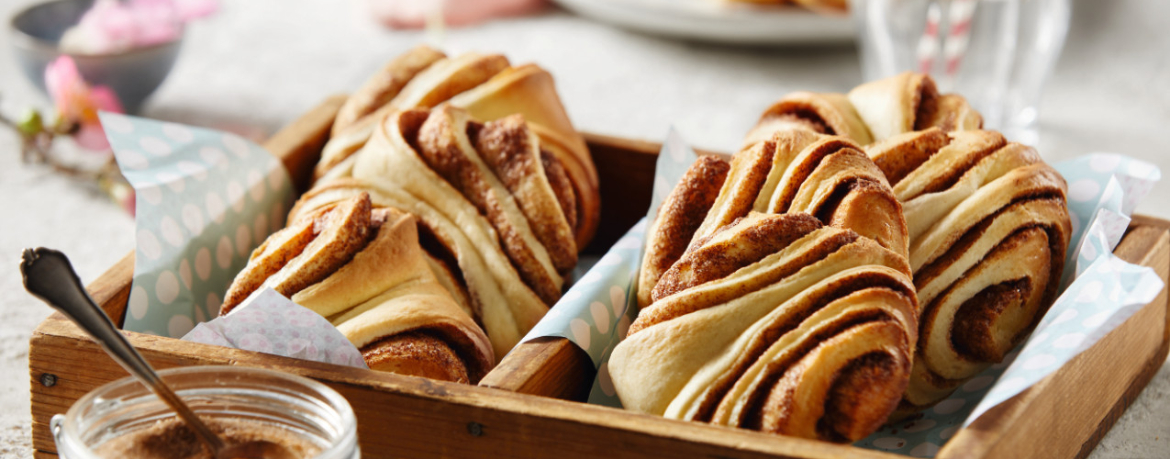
548, 367
403, 416
112, 289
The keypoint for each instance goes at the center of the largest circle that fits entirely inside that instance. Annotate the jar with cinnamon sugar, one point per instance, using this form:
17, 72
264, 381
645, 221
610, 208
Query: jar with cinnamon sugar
123, 419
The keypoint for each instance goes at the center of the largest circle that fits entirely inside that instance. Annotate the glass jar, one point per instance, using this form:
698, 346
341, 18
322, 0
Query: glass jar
305, 409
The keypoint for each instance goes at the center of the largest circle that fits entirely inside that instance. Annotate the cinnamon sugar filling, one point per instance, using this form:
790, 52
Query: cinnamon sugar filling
773, 332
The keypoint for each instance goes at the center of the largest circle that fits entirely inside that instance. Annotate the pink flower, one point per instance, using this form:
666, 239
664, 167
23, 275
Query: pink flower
79, 103
412, 14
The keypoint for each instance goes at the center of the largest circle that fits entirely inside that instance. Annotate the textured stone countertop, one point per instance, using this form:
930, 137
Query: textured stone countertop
263, 62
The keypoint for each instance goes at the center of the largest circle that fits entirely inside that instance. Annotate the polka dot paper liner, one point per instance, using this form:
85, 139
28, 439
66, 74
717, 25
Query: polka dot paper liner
273, 324
1103, 191
204, 200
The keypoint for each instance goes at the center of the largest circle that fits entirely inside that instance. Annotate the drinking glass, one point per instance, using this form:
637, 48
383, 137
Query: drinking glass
996, 53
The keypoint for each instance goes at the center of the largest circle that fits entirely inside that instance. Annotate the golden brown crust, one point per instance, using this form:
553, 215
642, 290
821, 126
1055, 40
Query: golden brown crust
772, 321
778, 324
679, 216
513, 154
949, 112
444, 147
718, 255
448, 78
746, 177
383, 293
416, 354
339, 235
562, 186
384, 85
393, 170
530, 91
826, 113
807, 161
272, 255
902, 154
989, 231
909, 102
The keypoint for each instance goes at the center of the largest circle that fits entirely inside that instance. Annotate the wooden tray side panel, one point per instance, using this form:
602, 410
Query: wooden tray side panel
401, 416
1067, 413
548, 367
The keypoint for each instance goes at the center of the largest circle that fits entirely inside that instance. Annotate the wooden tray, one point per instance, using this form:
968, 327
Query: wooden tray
518, 410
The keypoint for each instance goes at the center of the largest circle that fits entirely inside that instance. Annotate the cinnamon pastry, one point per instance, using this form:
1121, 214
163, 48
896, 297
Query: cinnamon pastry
829, 177
383, 86
825, 113
363, 269
491, 202
435, 83
529, 90
911, 102
989, 228
489, 89
775, 322
678, 218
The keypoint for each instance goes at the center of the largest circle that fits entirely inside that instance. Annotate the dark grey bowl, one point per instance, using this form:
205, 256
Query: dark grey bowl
133, 75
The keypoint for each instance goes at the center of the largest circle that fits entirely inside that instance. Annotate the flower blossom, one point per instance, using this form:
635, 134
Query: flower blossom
79, 103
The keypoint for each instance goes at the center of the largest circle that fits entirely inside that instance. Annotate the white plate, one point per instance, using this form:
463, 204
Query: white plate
718, 21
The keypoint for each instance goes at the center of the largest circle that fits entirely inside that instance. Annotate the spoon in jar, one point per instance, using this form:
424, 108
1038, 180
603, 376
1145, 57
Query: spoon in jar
48, 275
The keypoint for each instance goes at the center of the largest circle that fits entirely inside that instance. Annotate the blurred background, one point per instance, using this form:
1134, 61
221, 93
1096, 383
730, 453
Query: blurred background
253, 66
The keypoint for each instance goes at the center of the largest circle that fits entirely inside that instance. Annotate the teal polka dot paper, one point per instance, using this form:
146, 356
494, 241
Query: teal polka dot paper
204, 199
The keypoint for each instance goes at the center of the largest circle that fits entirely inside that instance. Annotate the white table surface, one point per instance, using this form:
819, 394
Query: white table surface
261, 63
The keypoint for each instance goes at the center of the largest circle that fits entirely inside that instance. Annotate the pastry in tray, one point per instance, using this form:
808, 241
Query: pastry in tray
363, 269
989, 228
488, 88
492, 209
791, 309
480, 159
860, 257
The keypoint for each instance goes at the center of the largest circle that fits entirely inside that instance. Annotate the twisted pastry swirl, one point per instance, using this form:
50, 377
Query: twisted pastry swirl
775, 323
488, 88
771, 320
989, 228
362, 269
490, 204
870, 112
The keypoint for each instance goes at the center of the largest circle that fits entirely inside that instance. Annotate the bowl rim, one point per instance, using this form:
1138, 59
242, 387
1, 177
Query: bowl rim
21, 38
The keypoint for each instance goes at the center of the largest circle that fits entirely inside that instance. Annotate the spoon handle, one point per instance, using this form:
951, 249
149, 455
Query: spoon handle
48, 275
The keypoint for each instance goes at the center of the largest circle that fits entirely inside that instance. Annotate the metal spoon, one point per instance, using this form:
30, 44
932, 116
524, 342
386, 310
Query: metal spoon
48, 275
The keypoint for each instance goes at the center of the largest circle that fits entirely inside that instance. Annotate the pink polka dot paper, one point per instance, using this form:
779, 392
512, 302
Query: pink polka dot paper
270, 323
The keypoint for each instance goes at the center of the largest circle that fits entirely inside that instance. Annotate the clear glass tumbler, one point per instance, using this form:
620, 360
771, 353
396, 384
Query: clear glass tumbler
996, 53
300, 407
